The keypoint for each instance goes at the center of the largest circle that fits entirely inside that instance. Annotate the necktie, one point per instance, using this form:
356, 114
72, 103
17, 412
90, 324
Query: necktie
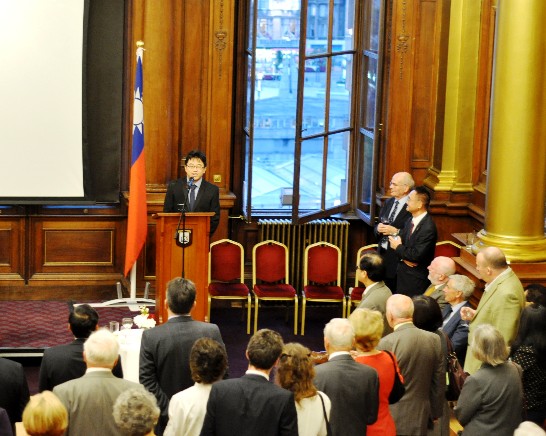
430, 290
192, 197
447, 313
392, 216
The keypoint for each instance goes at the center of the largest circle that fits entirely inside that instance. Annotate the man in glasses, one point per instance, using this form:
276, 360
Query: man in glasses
192, 193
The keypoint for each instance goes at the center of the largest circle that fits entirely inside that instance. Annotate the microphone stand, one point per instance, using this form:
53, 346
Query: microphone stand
182, 208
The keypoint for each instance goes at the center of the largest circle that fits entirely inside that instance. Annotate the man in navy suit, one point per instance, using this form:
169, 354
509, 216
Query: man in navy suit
392, 217
415, 246
164, 364
14, 394
65, 362
252, 405
193, 193
457, 291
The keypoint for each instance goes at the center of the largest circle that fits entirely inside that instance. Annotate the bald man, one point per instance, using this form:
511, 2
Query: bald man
502, 301
392, 217
419, 355
439, 271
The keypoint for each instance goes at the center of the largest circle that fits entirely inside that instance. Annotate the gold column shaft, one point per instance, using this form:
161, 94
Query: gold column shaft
516, 182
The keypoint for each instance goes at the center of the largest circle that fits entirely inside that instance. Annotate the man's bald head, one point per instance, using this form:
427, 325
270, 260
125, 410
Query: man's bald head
399, 309
440, 269
494, 258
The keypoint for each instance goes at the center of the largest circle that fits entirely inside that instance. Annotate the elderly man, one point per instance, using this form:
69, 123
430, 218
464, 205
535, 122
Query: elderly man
90, 399
457, 291
353, 388
415, 246
165, 350
419, 355
502, 301
371, 272
392, 217
439, 271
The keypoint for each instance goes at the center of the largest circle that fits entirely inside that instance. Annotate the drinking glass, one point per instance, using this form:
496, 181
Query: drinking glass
114, 326
127, 323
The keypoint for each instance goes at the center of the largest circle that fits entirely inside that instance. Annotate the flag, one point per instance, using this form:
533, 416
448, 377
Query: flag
137, 225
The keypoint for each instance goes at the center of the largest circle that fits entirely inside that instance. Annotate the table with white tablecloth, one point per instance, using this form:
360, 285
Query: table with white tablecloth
129, 351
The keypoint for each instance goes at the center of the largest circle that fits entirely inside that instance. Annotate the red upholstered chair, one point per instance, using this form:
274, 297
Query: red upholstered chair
321, 277
355, 294
226, 275
447, 249
270, 277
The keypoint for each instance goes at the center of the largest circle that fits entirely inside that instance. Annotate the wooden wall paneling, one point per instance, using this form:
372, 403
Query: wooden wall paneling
12, 242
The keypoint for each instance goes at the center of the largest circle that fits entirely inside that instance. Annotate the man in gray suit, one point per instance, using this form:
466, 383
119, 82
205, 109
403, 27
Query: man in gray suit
165, 349
439, 271
419, 355
371, 272
90, 399
353, 388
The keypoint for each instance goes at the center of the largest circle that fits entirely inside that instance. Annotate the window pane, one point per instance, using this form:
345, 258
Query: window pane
251, 24
342, 32
367, 172
336, 169
372, 15
340, 94
369, 81
314, 99
311, 171
246, 174
248, 93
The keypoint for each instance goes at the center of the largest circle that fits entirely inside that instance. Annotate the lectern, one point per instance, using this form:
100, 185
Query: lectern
169, 258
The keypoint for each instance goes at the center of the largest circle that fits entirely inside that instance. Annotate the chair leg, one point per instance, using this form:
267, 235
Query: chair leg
208, 307
249, 310
296, 316
256, 303
344, 309
303, 304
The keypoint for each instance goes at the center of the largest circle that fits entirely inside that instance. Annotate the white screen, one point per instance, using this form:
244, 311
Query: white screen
41, 98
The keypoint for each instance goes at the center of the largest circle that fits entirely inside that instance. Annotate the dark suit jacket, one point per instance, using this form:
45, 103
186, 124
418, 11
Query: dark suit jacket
250, 406
389, 255
353, 389
417, 247
164, 367
457, 330
420, 358
65, 362
14, 393
207, 200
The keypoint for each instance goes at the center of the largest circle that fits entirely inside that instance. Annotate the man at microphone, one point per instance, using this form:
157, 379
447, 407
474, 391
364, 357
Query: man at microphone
192, 192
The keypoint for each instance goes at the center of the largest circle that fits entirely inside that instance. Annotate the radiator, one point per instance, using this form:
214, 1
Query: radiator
298, 236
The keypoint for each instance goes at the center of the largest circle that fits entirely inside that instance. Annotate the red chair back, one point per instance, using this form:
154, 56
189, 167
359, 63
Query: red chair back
270, 263
322, 264
225, 262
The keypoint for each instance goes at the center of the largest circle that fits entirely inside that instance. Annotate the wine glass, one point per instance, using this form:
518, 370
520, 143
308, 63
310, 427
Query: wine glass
127, 323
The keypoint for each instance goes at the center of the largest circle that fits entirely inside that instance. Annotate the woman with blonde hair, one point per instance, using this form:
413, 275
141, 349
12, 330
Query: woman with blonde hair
45, 415
296, 372
368, 326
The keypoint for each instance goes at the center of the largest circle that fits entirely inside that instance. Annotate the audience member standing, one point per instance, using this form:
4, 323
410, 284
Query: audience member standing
165, 349
208, 364
14, 392
457, 291
501, 302
368, 331
439, 271
371, 272
252, 405
529, 351
295, 373
65, 362
136, 413
352, 388
392, 217
419, 355
415, 246
491, 401
45, 415
90, 398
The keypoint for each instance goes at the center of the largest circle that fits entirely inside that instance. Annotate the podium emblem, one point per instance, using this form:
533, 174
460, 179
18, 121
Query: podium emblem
183, 238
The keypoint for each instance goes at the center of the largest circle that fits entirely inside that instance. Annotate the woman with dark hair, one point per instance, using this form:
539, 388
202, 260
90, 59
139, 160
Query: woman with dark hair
529, 351
296, 372
535, 293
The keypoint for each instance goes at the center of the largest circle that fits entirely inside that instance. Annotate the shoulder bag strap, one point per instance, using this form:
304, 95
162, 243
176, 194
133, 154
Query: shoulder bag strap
328, 429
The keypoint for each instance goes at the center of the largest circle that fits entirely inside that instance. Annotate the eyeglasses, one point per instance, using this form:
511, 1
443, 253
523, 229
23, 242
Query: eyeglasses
195, 167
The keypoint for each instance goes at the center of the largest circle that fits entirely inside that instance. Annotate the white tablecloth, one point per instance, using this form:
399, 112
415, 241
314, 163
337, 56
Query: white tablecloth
129, 350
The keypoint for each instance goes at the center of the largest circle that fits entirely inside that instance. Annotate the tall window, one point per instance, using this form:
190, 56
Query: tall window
299, 109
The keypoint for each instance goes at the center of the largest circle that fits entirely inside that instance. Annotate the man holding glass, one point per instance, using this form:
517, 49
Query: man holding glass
192, 193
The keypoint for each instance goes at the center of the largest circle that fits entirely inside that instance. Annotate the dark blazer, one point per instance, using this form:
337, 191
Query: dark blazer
164, 366
14, 393
420, 358
207, 200
353, 389
457, 330
250, 406
65, 362
389, 255
417, 247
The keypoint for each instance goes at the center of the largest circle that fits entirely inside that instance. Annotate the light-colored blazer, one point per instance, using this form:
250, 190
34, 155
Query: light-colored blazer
500, 306
90, 400
376, 299
419, 355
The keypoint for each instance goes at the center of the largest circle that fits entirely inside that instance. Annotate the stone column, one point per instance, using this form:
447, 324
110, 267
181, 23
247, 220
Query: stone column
516, 179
